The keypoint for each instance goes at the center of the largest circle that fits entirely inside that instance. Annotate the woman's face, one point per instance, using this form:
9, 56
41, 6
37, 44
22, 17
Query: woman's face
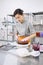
19, 18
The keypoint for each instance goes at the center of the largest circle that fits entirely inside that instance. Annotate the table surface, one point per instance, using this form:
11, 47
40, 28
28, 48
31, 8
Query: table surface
12, 59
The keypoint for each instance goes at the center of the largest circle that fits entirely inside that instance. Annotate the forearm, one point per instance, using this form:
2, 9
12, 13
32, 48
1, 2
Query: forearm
25, 39
29, 37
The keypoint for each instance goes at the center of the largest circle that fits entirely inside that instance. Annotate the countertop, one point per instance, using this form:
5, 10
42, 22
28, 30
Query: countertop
11, 59
7, 58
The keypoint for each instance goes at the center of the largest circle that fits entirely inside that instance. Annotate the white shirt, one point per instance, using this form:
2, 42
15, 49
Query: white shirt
26, 28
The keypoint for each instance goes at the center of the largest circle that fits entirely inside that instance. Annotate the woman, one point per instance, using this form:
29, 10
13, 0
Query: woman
23, 30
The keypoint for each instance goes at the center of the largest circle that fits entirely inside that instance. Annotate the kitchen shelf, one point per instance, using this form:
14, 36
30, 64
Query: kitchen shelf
9, 35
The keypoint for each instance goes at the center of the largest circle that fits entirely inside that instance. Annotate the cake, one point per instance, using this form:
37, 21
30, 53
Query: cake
23, 42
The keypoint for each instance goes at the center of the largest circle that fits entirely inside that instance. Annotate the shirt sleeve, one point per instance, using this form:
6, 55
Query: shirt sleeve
32, 31
30, 26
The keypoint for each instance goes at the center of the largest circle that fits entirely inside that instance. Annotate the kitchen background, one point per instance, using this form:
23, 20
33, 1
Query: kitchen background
33, 10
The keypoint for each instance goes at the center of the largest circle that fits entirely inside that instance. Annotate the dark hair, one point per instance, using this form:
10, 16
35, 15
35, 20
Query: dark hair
18, 11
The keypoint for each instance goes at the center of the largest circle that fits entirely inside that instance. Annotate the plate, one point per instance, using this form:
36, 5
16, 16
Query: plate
23, 52
19, 45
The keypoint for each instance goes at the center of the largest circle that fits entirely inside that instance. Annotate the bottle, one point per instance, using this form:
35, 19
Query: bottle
37, 34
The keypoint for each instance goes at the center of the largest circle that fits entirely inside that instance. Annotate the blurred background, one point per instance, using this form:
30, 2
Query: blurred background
33, 10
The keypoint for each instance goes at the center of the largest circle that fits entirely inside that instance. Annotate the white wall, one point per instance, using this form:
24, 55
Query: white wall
8, 6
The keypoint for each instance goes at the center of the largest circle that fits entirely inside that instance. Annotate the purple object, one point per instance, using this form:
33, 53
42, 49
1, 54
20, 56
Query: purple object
41, 34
